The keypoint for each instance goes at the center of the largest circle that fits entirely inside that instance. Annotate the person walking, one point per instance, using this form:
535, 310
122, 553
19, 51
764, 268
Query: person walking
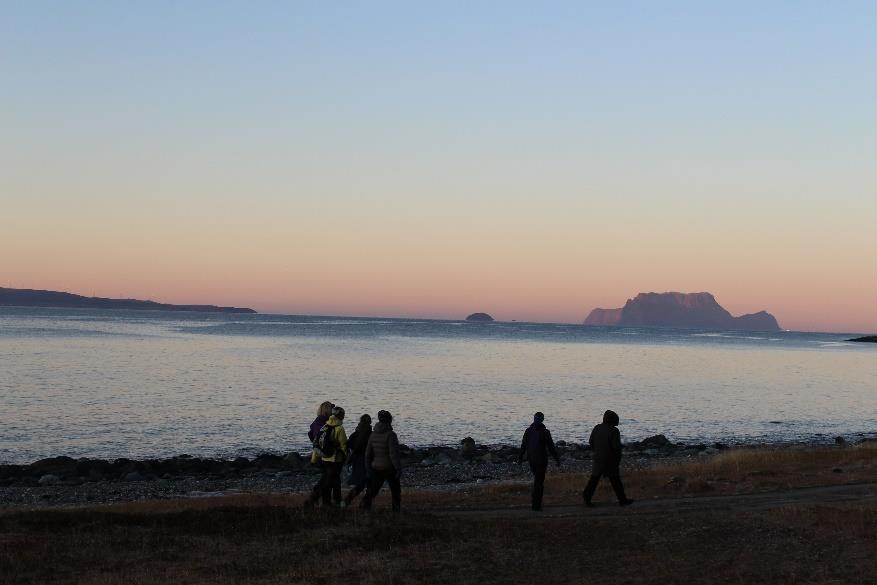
605, 444
330, 452
356, 445
536, 445
383, 462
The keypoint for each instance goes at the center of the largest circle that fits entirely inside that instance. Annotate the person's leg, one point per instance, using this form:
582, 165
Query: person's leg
375, 483
538, 485
615, 479
395, 490
591, 488
337, 468
326, 482
355, 491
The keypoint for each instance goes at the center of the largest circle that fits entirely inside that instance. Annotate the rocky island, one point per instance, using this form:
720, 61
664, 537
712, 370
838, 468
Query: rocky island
23, 297
680, 310
866, 339
480, 317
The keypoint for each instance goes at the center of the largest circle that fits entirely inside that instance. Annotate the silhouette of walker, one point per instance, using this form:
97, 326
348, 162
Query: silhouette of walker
605, 444
537, 444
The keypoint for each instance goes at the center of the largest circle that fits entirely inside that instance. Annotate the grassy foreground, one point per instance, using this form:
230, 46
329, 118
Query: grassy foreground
270, 539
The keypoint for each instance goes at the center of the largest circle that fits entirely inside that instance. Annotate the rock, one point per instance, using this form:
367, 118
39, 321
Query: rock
560, 443
720, 446
488, 458
656, 442
468, 449
282, 474
59, 466
443, 459
840, 441
134, 476
427, 462
685, 310
837, 470
480, 317
49, 479
865, 339
294, 460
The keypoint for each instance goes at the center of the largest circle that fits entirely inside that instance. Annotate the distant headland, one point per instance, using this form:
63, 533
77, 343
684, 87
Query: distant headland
680, 310
22, 297
481, 317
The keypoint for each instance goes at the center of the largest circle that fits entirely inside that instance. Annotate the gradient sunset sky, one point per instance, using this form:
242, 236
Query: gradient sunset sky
531, 160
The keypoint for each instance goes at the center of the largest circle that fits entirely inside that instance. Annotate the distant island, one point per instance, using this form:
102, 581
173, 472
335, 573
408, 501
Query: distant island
866, 339
481, 317
22, 297
680, 310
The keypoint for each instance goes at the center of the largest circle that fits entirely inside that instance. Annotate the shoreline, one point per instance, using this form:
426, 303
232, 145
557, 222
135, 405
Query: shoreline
63, 481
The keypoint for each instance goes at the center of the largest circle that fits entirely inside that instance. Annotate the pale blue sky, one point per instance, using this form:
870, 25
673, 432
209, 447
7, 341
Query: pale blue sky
751, 124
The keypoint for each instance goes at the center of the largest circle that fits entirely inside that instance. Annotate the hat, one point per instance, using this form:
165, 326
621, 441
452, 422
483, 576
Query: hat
384, 416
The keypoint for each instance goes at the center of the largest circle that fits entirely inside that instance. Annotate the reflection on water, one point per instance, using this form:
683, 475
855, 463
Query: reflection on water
109, 384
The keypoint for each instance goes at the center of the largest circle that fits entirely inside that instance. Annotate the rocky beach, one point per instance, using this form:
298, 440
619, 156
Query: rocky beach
64, 481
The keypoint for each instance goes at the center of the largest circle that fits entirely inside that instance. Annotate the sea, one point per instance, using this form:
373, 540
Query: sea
137, 384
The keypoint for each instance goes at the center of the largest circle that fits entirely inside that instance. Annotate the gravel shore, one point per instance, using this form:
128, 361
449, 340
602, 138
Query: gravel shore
62, 481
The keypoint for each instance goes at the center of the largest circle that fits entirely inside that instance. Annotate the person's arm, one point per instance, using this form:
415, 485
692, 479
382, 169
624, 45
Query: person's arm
591, 438
551, 447
341, 437
393, 448
524, 442
369, 455
615, 443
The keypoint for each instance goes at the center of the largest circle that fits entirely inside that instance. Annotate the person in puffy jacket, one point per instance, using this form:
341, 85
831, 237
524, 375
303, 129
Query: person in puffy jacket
329, 487
536, 445
356, 446
605, 444
383, 461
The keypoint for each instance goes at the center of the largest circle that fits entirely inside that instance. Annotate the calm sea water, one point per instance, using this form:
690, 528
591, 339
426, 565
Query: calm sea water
137, 384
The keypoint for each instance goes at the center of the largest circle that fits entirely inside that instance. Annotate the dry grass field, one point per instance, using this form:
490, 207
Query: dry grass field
811, 536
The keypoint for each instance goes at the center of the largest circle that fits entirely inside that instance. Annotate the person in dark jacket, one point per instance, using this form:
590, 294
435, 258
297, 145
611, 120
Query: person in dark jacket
605, 444
383, 461
356, 445
536, 445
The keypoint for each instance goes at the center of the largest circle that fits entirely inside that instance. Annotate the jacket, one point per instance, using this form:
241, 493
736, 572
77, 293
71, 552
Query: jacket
316, 426
382, 452
605, 444
340, 436
537, 444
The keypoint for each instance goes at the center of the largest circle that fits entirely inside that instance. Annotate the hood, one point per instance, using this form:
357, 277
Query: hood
537, 425
610, 418
334, 421
382, 427
363, 428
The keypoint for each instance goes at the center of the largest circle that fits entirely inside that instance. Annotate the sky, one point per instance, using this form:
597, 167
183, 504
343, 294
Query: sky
530, 160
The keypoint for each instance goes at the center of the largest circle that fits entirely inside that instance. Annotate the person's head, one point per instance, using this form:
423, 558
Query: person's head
325, 409
538, 417
338, 413
365, 420
610, 418
385, 417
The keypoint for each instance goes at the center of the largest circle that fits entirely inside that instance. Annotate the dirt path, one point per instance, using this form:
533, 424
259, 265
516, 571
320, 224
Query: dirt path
824, 495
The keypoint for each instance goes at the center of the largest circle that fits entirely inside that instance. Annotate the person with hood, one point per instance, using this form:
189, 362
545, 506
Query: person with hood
536, 445
605, 444
356, 445
329, 487
383, 462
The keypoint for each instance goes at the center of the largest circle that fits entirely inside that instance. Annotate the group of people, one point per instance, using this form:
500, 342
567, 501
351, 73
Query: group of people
605, 442
371, 453
374, 458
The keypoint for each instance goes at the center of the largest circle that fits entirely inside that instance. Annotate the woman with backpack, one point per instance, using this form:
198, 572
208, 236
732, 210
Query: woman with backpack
330, 452
324, 411
356, 445
383, 462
